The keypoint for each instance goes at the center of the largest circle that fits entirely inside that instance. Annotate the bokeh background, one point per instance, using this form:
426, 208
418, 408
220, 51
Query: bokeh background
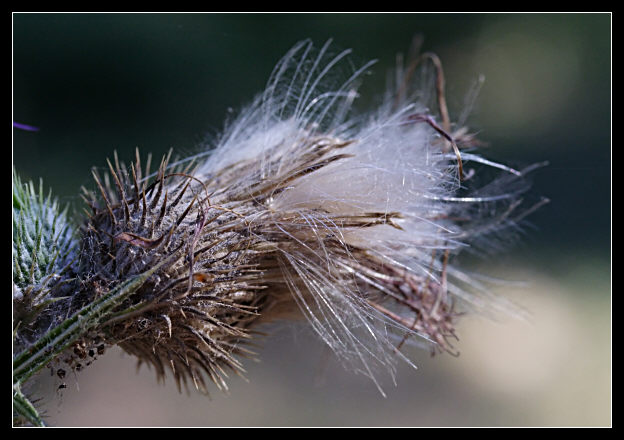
94, 83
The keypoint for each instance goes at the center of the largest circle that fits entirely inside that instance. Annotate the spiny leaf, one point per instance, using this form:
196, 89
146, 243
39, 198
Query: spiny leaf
25, 409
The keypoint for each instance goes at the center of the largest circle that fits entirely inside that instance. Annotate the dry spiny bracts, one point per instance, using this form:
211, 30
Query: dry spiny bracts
193, 313
299, 209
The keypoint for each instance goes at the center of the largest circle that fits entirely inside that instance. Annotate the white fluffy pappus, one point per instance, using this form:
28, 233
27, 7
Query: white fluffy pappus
363, 213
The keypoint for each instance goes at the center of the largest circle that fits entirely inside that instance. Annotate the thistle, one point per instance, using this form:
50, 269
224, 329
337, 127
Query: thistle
43, 242
300, 209
43, 246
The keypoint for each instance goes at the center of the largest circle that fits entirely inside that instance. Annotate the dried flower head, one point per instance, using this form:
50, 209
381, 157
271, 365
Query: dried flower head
301, 208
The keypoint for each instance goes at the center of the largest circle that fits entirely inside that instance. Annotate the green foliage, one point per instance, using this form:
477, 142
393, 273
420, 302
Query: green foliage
43, 242
42, 236
25, 412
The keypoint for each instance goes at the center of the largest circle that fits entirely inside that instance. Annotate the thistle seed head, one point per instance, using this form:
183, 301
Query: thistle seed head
301, 209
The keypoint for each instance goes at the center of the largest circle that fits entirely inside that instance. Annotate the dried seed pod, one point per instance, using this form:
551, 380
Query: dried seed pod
300, 209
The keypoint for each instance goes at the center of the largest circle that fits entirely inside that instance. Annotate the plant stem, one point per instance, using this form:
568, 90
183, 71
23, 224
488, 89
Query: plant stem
55, 341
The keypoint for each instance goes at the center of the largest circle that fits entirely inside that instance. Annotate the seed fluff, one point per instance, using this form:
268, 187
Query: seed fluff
301, 208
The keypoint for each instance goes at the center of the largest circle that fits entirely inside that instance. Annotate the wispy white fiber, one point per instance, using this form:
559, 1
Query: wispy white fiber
390, 165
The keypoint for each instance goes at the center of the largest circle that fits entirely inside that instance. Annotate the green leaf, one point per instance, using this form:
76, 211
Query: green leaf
24, 409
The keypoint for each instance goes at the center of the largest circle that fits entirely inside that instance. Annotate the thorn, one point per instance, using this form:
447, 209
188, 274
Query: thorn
108, 205
179, 197
186, 211
147, 165
143, 214
136, 189
162, 211
161, 176
119, 187
138, 163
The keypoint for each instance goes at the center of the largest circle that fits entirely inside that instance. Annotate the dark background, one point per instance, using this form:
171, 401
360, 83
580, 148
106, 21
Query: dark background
94, 83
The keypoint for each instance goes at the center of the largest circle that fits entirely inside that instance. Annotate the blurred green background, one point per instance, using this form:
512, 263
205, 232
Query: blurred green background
95, 83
